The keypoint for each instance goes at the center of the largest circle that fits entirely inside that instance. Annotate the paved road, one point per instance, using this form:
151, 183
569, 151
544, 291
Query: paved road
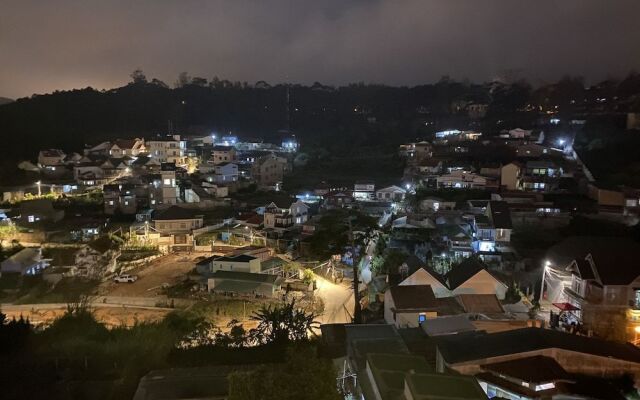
338, 301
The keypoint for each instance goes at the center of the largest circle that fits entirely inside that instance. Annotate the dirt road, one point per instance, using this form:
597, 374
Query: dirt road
169, 269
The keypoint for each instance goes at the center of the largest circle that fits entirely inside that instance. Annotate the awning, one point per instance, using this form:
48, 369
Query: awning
566, 306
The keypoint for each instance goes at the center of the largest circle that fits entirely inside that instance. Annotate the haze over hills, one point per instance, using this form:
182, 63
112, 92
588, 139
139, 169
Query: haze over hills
5, 100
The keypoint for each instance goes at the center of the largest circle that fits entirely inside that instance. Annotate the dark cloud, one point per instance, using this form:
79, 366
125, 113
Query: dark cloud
67, 43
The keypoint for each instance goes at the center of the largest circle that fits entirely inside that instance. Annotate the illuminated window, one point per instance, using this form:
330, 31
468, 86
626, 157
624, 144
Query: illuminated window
545, 386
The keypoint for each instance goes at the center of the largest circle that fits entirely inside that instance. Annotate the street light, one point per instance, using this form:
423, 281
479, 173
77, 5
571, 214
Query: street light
39, 188
547, 264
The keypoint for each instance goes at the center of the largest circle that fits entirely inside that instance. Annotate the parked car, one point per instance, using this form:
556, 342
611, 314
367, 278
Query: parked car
125, 278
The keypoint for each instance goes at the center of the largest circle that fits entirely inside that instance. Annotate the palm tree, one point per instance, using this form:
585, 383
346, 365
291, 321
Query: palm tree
282, 323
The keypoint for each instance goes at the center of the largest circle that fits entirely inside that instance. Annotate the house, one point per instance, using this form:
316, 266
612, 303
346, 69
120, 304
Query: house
599, 277
337, 199
223, 154
530, 150
469, 353
28, 261
391, 193
510, 176
384, 374
225, 172
409, 306
144, 163
493, 229
519, 133
364, 190
415, 151
460, 179
120, 199
472, 277
127, 147
283, 218
237, 263
436, 203
469, 277
51, 158
541, 377
169, 149
448, 325
276, 217
167, 190
39, 210
442, 387
101, 149
97, 258
300, 212
244, 284
540, 175
430, 166
269, 170
177, 220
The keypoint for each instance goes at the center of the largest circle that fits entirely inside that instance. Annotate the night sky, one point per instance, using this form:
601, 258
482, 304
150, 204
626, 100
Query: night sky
48, 45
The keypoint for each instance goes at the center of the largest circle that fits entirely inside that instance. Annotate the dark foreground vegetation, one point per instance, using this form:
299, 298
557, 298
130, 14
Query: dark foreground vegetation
79, 358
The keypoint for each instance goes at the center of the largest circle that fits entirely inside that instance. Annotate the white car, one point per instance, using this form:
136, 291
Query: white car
125, 278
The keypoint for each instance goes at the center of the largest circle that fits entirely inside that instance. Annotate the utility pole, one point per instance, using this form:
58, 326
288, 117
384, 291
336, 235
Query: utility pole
356, 281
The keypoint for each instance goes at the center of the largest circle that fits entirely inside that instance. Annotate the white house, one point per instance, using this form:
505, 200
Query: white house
470, 277
170, 149
225, 172
27, 261
237, 263
364, 190
461, 179
300, 212
391, 193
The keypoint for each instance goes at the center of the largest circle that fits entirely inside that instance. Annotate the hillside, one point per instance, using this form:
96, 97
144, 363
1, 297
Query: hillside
5, 100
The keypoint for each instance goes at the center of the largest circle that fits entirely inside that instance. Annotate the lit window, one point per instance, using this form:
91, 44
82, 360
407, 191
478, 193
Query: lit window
167, 181
31, 218
110, 202
545, 386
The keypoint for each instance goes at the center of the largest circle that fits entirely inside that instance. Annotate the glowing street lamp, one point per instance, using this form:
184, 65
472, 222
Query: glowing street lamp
39, 188
547, 264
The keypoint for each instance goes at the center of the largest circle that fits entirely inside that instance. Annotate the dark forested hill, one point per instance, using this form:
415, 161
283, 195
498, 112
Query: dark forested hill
336, 118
